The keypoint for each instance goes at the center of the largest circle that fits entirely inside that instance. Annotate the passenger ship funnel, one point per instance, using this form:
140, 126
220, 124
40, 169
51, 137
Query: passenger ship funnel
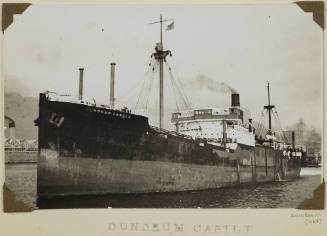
235, 100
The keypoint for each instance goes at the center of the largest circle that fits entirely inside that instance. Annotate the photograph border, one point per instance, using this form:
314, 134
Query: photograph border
101, 221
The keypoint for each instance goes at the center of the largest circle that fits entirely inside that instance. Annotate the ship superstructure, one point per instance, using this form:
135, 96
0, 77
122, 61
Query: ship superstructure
220, 126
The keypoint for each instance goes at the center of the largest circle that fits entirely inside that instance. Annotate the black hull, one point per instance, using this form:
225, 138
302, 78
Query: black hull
85, 149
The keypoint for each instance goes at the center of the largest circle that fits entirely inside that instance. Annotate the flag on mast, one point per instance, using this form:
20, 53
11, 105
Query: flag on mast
170, 26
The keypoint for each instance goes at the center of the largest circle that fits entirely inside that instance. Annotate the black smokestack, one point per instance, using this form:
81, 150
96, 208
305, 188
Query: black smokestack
80, 87
112, 85
235, 100
293, 139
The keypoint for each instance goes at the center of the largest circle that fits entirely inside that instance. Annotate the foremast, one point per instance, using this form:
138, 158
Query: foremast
160, 55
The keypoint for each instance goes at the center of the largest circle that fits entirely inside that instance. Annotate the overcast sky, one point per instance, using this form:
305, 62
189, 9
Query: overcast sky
243, 46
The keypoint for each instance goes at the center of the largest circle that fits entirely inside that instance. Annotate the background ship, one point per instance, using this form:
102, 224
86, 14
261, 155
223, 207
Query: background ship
18, 150
87, 148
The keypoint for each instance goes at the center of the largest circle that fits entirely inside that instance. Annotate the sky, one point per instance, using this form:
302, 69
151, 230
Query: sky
242, 46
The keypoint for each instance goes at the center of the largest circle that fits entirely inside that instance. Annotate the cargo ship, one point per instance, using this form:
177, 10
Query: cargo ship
86, 148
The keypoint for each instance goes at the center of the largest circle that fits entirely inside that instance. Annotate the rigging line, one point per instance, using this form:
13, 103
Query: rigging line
150, 86
260, 118
260, 123
280, 131
156, 115
172, 88
146, 106
131, 90
188, 103
183, 97
176, 92
280, 125
150, 105
277, 120
144, 94
266, 125
140, 94
182, 94
128, 92
176, 82
180, 83
154, 72
144, 80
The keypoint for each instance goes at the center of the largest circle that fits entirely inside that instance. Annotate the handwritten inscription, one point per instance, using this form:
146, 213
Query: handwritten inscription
309, 218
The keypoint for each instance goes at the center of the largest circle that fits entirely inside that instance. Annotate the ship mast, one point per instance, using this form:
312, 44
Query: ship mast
269, 108
160, 56
161, 76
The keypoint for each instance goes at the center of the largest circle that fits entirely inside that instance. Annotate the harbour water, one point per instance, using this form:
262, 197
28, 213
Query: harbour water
21, 179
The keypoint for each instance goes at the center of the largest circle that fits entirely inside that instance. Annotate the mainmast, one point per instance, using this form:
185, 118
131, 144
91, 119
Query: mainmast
269, 108
160, 56
161, 76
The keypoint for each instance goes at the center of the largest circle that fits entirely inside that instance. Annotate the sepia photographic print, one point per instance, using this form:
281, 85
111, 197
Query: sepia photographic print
163, 106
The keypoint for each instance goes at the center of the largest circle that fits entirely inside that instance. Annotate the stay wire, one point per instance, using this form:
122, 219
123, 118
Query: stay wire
172, 88
143, 84
179, 89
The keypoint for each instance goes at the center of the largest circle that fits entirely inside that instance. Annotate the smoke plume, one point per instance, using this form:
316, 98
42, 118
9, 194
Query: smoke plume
309, 134
213, 85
